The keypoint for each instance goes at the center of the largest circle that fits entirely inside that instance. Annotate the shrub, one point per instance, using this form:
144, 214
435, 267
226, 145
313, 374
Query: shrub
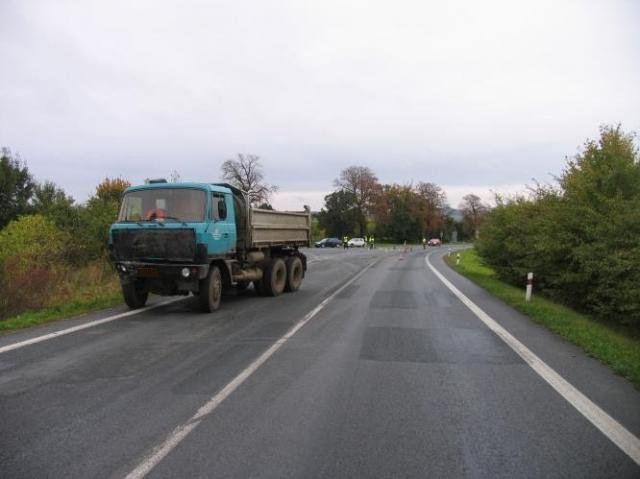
582, 240
32, 239
31, 252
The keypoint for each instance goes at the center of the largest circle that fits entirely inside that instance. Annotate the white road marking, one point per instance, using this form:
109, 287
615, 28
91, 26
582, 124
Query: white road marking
611, 428
90, 324
183, 430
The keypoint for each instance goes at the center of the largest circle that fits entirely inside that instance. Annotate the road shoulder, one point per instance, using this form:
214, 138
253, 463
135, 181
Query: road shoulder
614, 394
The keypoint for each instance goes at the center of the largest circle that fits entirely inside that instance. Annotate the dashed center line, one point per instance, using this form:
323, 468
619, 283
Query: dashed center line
182, 431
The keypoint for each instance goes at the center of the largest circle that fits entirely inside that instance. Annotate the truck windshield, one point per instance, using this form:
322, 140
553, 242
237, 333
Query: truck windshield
163, 204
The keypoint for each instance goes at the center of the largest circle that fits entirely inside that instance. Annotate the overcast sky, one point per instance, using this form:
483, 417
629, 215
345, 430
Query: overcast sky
474, 96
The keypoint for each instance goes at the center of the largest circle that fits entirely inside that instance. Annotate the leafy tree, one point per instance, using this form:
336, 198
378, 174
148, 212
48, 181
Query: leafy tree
340, 214
473, 212
432, 208
110, 190
53, 203
317, 232
32, 239
362, 183
94, 219
397, 214
601, 226
47, 194
16, 187
245, 172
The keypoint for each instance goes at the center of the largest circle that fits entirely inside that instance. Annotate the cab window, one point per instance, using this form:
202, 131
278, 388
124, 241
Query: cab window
218, 207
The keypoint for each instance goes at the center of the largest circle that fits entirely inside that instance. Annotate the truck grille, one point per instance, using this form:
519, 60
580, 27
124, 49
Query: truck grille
154, 244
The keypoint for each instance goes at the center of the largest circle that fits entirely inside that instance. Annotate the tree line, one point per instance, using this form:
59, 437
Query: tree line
362, 206
50, 244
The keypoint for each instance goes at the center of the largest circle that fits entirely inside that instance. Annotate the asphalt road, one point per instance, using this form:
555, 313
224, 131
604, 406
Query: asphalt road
393, 376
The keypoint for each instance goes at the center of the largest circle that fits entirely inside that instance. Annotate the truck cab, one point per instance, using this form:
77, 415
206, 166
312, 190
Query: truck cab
178, 238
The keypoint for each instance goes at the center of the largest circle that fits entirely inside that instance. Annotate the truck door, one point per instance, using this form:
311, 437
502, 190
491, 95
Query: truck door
222, 238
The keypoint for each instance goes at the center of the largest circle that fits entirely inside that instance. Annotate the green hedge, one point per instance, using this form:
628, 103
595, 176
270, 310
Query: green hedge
582, 238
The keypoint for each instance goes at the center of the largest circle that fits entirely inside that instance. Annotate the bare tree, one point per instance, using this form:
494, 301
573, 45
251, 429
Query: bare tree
245, 172
362, 182
473, 212
175, 176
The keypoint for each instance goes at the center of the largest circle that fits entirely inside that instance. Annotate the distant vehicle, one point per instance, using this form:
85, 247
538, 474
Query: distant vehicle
328, 243
356, 243
202, 238
434, 242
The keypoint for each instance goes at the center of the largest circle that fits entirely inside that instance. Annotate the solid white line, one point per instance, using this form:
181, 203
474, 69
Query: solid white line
183, 430
611, 428
91, 324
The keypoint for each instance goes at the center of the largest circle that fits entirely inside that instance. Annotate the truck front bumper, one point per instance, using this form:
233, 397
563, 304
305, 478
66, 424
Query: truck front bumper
163, 278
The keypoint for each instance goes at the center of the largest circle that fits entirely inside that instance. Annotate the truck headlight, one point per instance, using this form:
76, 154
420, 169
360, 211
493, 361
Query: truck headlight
185, 272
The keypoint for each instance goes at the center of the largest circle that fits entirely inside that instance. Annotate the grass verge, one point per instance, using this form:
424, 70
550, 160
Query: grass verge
617, 347
72, 308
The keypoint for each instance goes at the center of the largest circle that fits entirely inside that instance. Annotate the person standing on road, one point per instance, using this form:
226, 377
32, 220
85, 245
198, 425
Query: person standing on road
371, 242
424, 243
345, 241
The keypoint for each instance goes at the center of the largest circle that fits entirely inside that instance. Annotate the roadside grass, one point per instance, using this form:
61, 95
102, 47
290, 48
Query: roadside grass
90, 288
616, 347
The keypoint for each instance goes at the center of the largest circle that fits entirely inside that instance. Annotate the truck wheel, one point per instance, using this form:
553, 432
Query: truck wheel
275, 277
135, 294
295, 274
211, 291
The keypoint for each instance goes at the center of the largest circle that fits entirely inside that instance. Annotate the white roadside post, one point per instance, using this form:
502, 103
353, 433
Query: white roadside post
527, 295
458, 258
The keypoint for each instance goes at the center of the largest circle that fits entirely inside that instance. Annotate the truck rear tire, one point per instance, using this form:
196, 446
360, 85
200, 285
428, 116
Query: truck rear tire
135, 294
275, 277
295, 273
211, 291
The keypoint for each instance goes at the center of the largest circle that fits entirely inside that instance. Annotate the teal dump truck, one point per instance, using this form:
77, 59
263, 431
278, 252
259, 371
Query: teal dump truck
204, 238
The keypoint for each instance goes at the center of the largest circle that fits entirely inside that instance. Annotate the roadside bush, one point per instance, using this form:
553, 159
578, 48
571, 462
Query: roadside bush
26, 288
31, 252
582, 239
55, 255
32, 239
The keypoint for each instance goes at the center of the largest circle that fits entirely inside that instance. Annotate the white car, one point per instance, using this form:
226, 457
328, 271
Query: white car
356, 242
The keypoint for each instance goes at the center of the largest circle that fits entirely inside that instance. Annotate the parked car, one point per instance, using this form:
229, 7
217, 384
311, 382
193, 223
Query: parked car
434, 242
356, 243
328, 243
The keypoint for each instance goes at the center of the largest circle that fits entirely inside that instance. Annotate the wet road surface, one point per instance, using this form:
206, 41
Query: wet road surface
392, 377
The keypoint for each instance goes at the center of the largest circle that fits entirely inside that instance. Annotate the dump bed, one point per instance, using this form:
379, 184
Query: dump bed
273, 228
258, 228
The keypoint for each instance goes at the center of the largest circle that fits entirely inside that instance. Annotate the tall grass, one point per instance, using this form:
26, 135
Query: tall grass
37, 294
